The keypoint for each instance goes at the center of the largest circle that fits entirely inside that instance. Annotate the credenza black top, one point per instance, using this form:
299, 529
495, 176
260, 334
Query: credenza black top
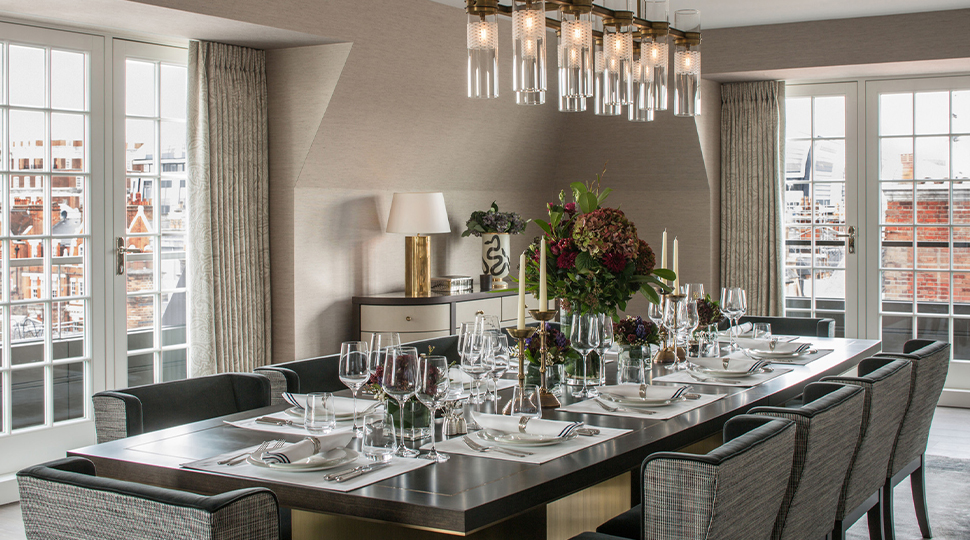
398, 298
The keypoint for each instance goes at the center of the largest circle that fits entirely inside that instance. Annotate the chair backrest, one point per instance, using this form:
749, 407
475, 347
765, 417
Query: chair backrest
886, 382
826, 435
732, 492
65, 500
142, 409
796, 326
931, 363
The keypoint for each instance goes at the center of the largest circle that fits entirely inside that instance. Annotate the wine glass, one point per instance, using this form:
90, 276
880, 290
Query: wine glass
473, 361
693, 320
655, 312
498, 362
526, 402
379, 342
675, 321
399, 381
432, 391
605, 328
353, 371
484, 323
733, 305
584, 337
694, 291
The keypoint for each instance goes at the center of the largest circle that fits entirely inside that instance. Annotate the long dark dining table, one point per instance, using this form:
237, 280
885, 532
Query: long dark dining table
467, 495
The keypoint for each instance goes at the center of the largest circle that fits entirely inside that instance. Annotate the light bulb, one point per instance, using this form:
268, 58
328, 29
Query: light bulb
687, 62
484, 34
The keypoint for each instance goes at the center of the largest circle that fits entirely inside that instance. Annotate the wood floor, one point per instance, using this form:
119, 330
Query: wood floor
949, 436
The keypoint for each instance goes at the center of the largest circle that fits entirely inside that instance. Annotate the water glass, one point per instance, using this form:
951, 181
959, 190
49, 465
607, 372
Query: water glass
379, 440
761, 330
629, 371
525, 401
319, 416
354, 370
694, 291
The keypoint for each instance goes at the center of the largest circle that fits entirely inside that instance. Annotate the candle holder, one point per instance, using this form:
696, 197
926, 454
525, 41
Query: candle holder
670, 353
521, 334
546, 398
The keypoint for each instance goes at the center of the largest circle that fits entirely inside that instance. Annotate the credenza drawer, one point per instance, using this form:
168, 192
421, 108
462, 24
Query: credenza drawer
466, 311
510, 307
408, 337
431, 318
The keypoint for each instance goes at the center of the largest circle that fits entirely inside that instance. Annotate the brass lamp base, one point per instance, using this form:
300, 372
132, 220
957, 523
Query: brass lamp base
417, 266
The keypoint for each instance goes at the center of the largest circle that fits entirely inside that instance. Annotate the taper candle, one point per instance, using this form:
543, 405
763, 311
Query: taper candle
663, 252
521, 320
676, 269
543, 293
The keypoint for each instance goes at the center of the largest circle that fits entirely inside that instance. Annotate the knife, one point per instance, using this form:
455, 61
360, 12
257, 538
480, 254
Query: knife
277, 421
354, 473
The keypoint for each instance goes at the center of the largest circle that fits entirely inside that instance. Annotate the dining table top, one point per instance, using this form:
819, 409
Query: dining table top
466, 493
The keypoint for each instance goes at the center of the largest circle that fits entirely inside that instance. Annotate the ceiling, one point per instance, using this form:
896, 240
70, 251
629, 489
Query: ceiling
722, 14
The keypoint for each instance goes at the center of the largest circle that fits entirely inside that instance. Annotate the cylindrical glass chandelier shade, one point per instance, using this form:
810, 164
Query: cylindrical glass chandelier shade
617, 64
576, 54
600, 106
640, 109
530, 98
687, 64
528, 46
568, 103
482, 56
656, 50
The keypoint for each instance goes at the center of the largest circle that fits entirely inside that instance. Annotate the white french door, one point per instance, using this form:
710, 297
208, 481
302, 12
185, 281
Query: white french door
821, 199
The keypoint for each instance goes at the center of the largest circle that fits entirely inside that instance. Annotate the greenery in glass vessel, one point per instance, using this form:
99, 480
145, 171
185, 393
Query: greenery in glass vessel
493, 221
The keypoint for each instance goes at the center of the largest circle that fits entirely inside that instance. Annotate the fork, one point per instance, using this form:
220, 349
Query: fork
483, 448
267, 445
611, 408
261, 449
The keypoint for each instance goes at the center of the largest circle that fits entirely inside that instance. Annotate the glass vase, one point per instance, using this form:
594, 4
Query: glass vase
573, 368
553, 376
707, 345
417, 419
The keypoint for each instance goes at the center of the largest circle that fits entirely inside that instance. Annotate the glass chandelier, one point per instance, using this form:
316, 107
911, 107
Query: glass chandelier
616, 53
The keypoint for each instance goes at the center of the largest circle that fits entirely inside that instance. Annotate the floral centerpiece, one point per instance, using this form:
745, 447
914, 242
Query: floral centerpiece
559, 352
494, 228
597, 261
634, 336
708, 315
416, 417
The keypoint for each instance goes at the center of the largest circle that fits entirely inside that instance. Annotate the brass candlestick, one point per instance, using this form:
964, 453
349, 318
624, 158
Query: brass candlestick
546, 398
521, 335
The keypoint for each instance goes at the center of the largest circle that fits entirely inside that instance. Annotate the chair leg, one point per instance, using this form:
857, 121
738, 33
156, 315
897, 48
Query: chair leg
875, 520
918, 482
888, 525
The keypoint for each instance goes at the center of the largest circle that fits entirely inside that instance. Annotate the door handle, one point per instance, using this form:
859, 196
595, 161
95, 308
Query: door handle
122, 249
850, 238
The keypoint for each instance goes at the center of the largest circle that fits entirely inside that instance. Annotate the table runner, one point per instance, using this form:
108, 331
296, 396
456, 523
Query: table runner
751, 380
660, 413
313, 479
540, 454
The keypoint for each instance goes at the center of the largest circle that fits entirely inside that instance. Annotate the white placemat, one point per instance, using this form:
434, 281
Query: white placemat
298, 429
659, 413
540, 454
750, 380
313, 479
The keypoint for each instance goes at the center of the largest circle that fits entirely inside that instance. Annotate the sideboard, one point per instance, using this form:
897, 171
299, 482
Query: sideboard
432, 316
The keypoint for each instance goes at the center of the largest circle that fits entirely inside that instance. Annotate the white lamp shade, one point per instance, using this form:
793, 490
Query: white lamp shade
418, 213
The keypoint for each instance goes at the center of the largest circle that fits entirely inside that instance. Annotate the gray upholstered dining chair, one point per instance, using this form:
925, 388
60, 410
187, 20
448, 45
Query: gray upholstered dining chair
64, 499
734, 491
794, 326
931, 363
142, 409
827, 431
886, 382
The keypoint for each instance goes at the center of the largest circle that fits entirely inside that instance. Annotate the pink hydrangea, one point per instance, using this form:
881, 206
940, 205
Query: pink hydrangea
606, 230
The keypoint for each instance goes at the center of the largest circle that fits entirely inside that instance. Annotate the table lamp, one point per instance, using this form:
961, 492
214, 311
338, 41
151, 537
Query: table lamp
415, 214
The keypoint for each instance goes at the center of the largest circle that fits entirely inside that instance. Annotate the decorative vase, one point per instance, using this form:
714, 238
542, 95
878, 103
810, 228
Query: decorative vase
417, 419
634, 353
573, 368
553, 376
495, 256
707, 345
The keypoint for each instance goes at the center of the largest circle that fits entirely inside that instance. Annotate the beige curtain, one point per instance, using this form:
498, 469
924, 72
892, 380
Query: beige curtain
228, 191
752, 187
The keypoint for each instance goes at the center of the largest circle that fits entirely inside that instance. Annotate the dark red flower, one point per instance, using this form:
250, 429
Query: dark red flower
570, 208
616, 262
631, 338
567, 260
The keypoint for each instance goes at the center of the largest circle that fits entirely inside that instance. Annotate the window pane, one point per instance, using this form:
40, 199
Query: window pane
140, 146
28, 131
141, 368
897, 247
141, 210
829, 198
960, 157
69, 395
897, 202
897, 285
932, 287
798, 118
932, 113
67, 327
27, 277
896, 331
173, 365
139, 88
829, 160
932, 158
141, 317
68, 194
68, 142
933, 202
960, 119
933, 247
67, 80
830, 116
896, 159
961, 291
936, 329
797, 156
27, 333
895, 114
27, 205
961, 202
28, 397
173, 91
961, 339
28, 76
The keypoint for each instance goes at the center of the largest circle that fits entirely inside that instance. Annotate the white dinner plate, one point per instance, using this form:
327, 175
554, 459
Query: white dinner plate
297, 412
634, 402
317, 462
764, 353
725, 373
522, 439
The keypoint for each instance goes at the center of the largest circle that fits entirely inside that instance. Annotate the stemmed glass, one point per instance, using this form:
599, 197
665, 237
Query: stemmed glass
584, 337
693, 321
433, 383
399, 382
354, 370
498, 363
694, 291
379, 342
605, 343
474, 355
485, 323
675, 321
733, 304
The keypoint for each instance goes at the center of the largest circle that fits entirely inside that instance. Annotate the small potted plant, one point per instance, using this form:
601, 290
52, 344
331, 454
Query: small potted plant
494, 228
635, 336
708, 315
560, 352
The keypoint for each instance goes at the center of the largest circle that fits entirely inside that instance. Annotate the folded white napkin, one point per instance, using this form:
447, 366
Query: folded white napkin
735, 362
342, 407
632, 391
742, 329
536, 426
307, 447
